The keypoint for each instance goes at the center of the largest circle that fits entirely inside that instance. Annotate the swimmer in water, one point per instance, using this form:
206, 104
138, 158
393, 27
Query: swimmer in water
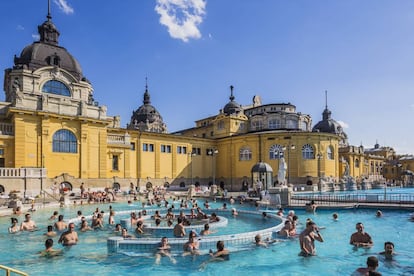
70, 237
49, 250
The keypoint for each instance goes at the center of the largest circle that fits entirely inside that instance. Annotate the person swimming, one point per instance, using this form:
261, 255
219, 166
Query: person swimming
49, 251
14, 227
164, 250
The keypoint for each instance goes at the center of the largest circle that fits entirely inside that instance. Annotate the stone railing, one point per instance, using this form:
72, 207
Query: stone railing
23, 173
119, 139
6, 129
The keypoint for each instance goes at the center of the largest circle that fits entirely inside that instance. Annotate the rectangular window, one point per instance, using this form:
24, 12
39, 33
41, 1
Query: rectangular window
179, 149
151, 147
184, 150
115, 163
274, 124
144, 147
162, 148
168, 149
1, 151
196, 151
132, 146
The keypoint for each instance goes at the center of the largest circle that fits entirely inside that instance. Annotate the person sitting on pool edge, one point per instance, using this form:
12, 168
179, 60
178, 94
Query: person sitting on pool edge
361, 238
49, 250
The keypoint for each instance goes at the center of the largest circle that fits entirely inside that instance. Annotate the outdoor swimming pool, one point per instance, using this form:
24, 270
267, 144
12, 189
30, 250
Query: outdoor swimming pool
335, 255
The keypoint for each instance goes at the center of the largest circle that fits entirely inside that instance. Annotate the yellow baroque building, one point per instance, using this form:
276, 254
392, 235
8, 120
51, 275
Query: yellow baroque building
53, 133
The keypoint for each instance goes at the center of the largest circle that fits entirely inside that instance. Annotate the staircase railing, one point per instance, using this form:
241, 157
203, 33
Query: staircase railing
9, 270
50, 195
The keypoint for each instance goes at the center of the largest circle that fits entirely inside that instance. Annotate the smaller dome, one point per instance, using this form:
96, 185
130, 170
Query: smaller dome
329, 125
146, 117
232, 107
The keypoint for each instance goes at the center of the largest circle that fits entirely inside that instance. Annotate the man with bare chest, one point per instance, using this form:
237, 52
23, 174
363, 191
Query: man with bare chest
60, 225
69, 237
28, 224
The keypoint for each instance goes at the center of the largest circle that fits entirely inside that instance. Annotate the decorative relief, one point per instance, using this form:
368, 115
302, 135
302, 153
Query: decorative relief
55, 73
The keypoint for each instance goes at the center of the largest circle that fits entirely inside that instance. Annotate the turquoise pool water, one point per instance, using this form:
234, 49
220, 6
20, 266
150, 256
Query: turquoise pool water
335, 255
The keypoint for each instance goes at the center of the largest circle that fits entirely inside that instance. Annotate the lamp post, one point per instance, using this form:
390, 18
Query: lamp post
212, 153
288, 147
319, 156
191, 155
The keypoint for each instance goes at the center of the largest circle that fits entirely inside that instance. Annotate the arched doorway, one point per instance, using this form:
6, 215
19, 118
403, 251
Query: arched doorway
245, 185
66, 186
116, 187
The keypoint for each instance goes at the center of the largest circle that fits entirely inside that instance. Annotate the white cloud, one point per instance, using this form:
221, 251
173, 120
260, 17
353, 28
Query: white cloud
343, 124
64, 6
19, 28
181, 17
35, 37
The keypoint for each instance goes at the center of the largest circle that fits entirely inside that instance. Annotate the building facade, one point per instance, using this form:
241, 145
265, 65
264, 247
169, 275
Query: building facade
53, 132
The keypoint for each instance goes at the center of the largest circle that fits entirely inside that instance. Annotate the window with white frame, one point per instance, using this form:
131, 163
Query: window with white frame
245, 154
64, 141
274, 124
330, 153
308, 152
276, 152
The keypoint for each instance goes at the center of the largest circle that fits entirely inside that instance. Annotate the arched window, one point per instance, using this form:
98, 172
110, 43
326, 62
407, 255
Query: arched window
276, 152
245, 154
65, 141
56, 87
308, 152
329, 153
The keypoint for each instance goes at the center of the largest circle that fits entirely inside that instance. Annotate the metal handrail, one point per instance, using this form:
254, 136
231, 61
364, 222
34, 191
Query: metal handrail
328, 199
9, 269
50, 195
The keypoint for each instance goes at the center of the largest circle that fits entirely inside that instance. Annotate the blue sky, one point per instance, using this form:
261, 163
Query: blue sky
361, 52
